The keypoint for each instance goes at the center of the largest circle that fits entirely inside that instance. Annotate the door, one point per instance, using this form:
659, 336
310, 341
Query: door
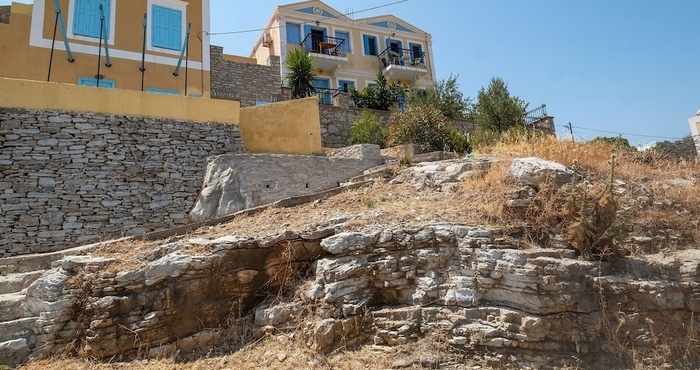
324, 95
345, 85
317, 37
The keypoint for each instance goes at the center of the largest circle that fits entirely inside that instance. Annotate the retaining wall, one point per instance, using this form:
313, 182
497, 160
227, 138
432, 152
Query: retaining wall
69, 178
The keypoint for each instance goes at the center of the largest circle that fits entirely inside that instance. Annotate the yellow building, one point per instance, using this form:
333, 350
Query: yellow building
130, 45
348, 52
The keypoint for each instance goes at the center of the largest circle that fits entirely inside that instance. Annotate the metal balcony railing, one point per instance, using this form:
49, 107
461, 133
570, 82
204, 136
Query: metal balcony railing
325, 96
324, 45
535, 114
402, 57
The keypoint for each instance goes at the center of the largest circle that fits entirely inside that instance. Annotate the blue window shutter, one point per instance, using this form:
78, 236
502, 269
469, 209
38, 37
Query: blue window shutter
307, 31
293, 35
345, 37
365, 39
167, 28
400, 48
90, 81
86, 17
162, 91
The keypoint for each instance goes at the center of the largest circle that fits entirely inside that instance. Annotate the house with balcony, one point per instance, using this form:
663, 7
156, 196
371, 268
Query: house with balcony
144, 45
348, 51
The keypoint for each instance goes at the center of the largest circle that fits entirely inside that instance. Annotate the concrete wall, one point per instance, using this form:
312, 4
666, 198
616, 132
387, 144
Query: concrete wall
243, 79
694, 123
45, 95
70, 178
289, 127
237, 182
20, 60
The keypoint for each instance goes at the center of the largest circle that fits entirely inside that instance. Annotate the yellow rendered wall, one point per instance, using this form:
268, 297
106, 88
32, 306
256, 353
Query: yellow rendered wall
289, 127
19, 60
27, 94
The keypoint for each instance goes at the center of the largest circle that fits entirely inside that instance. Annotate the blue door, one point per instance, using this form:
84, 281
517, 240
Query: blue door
345, 85
324, 95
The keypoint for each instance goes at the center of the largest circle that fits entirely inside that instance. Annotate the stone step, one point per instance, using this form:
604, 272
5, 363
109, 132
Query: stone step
14, 283
39, 261
14, 352
11, 306
18, 329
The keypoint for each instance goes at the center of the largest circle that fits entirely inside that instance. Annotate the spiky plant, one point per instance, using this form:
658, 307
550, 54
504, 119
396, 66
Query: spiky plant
301, 74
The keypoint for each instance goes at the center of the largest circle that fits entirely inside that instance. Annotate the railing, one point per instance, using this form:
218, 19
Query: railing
402, 57
324, 45
325, 96
535, 114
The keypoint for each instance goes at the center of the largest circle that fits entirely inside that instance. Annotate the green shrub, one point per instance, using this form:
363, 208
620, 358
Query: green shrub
368, 129
458, 141
422, 125
617, 143
379, 97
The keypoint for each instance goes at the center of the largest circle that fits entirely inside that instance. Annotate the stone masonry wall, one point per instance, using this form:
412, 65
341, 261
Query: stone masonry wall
243, 81
70, 178
5, 14
336, 123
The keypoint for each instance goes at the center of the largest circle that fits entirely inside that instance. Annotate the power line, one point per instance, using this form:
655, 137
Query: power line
622, 133
325, 17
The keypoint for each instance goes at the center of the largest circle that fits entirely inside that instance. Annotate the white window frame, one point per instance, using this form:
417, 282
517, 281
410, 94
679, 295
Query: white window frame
172, 4
422, 48
369, 82
379, 51
349, 32
112, 23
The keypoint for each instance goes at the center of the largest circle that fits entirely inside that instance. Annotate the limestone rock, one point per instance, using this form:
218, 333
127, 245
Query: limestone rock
533, 171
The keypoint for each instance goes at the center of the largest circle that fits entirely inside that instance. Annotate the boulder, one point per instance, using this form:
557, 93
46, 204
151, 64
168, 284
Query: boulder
534, 171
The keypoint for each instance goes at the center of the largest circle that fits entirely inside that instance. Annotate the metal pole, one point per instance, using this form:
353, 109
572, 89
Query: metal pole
99, 52
53, 42
571, 131
187, 59
143, 50
57, 6
182, 53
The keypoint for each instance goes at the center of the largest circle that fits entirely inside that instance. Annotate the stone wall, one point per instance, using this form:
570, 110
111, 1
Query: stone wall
70, 178
543, 126
336, 123
245, 82
5, 14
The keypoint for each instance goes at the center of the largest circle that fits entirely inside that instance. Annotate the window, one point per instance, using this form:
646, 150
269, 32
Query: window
262, 102
167, 28
293, 33
89, 81
345, 36
416, 53
162, 91
370, 45
345, 85
86, 17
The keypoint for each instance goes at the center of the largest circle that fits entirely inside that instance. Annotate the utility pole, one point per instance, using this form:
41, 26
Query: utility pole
571, 132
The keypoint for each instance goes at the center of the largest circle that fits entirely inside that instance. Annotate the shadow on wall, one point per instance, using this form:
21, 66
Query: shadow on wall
289, 127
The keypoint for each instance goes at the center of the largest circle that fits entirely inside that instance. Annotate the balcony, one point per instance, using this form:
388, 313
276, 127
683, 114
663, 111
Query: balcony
402, 64
328, 52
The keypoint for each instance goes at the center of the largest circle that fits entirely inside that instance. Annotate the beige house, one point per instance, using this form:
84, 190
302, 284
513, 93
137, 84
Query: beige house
694, 123
347, 51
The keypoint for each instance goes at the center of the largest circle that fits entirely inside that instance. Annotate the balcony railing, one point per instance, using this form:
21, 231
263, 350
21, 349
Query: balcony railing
324, 45
326, 95
535, 114
402, 57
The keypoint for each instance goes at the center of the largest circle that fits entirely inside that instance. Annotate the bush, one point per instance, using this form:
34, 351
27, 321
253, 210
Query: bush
617, 143
379, 97
422, 125
368, 129
485, 137
681, 149
458, 141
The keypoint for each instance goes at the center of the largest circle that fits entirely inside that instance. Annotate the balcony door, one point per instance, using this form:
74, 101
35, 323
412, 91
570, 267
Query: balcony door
322, 85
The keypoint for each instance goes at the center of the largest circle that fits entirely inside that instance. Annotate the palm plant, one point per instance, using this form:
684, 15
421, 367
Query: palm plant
301, 76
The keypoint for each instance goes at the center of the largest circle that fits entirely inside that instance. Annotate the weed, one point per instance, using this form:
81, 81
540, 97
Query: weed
370, 203
406, 160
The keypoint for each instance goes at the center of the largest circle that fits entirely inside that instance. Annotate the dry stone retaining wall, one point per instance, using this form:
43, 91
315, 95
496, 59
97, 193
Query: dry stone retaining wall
70, 178
245, 82
5, 14
336, 123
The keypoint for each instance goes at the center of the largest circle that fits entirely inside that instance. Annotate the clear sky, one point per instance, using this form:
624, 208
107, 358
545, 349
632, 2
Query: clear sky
625, 66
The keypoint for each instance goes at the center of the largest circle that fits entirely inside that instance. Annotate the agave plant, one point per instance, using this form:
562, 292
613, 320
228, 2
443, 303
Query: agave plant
301, 76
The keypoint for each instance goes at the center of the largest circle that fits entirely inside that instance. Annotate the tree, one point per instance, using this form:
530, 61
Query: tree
496, 110
423, 125
301, 76
379, 97
446, 97
368, 130
616, 142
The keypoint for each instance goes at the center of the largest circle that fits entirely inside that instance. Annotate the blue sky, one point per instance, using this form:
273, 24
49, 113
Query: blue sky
625, 66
